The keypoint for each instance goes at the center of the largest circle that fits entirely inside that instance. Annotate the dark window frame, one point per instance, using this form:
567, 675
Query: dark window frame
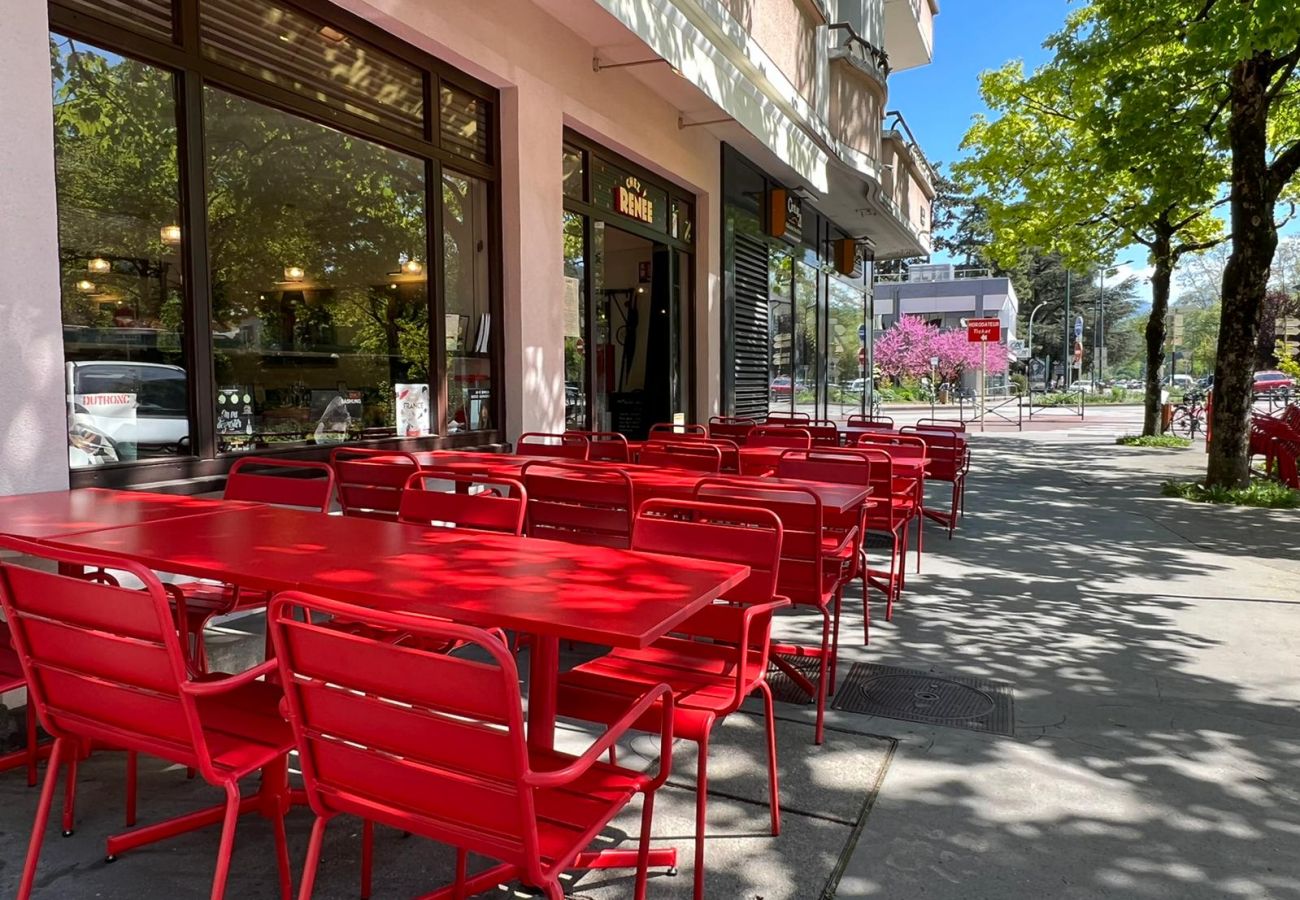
192, 71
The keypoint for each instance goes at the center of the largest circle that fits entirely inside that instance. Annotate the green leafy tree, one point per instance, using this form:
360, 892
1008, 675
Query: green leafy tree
1229, 68
1068, 170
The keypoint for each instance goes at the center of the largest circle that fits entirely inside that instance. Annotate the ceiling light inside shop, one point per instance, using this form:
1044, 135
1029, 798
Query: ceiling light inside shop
412, 267
293, 273
99, 266
85, 286
170, 234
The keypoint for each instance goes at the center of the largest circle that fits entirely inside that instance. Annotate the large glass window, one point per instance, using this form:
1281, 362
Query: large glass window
294, 307
805, 345
319, 288
118, 188
467, 289
847, 384
780, 322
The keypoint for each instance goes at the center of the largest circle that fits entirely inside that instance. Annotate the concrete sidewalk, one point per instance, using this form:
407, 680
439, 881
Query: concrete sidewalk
1152, 645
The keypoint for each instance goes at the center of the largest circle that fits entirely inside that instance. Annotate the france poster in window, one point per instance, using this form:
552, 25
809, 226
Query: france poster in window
412, 408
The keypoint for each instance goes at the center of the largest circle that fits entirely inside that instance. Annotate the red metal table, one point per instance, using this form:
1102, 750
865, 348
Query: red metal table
50, 513
548, 589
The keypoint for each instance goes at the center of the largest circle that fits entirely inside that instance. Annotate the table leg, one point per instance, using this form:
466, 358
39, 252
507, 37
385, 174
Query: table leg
543, 675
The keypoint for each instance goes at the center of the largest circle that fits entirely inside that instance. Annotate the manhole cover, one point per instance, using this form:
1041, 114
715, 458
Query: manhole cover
932, 697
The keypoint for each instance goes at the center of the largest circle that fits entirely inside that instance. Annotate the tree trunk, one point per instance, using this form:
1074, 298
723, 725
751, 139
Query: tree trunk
1245, 279
1161, 252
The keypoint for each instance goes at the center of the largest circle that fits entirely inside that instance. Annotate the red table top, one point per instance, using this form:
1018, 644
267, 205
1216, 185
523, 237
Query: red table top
652, 481
51, 513
612, 597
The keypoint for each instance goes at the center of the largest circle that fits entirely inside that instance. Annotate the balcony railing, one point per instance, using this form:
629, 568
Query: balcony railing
860, 50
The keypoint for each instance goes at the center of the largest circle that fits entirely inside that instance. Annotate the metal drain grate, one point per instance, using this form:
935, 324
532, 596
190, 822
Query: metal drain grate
783, 688
935, 698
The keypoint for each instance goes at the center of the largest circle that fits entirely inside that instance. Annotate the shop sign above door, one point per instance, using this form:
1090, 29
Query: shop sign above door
632, 199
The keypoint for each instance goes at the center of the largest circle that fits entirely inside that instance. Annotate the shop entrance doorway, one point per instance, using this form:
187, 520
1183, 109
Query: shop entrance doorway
637, 333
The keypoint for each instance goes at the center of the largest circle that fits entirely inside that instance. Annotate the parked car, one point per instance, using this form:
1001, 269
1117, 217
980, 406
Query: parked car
1273, 382
858, 385
107, 427
781, 386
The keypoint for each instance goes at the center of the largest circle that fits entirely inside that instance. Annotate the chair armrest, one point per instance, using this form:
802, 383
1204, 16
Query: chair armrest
229, 683
613, 733
747, 626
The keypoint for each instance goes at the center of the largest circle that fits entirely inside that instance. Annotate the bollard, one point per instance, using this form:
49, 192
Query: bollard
1166, 417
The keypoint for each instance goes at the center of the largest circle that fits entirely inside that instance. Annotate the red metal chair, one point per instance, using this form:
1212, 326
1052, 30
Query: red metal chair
606, 446
12, 679
905, 446
786, 436
837, 466
859, 420
732, 428
942, 424
797, 418
485, 510
824, 432
810, 573
948, 461
892, 508
666, 431
299, 484
434, 745
371, 481
578, 503
691, 457
730, 451
281, 482
711, 662
570, 445
105, 664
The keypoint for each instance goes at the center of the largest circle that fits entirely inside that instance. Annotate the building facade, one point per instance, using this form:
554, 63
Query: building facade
279, 225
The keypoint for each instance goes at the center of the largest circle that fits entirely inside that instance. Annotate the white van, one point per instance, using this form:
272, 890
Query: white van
1182, 382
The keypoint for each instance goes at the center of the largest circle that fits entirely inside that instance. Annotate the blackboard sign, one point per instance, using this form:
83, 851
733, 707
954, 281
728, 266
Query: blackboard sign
234, 411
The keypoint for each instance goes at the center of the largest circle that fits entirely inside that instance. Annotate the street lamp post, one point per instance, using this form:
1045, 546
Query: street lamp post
1099, 323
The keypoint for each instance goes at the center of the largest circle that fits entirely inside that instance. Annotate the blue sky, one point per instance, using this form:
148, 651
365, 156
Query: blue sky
970, 37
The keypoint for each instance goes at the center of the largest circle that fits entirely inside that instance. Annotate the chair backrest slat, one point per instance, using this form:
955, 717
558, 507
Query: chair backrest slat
788, 419
732, 428
486, 509
901, 446
694, 457
415, 738
578, 503
859, 420
570, 445
371, 481
281, 482
797, 438
605, 446
666, 431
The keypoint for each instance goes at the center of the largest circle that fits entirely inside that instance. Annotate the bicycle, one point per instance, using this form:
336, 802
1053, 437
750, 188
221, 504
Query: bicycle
1189, 416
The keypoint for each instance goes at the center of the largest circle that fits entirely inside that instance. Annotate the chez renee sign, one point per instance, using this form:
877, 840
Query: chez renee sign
632, 199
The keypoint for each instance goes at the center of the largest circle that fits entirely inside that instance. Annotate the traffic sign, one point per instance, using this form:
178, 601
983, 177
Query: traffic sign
862, 332
1078, 327
1018, 348
983, 330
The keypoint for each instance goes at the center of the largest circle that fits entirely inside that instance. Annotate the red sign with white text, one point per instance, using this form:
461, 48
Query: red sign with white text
978, 330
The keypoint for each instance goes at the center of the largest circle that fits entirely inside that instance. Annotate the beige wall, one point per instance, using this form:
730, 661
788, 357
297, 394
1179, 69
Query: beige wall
857, 106
33, 432
546, 80
787, 32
